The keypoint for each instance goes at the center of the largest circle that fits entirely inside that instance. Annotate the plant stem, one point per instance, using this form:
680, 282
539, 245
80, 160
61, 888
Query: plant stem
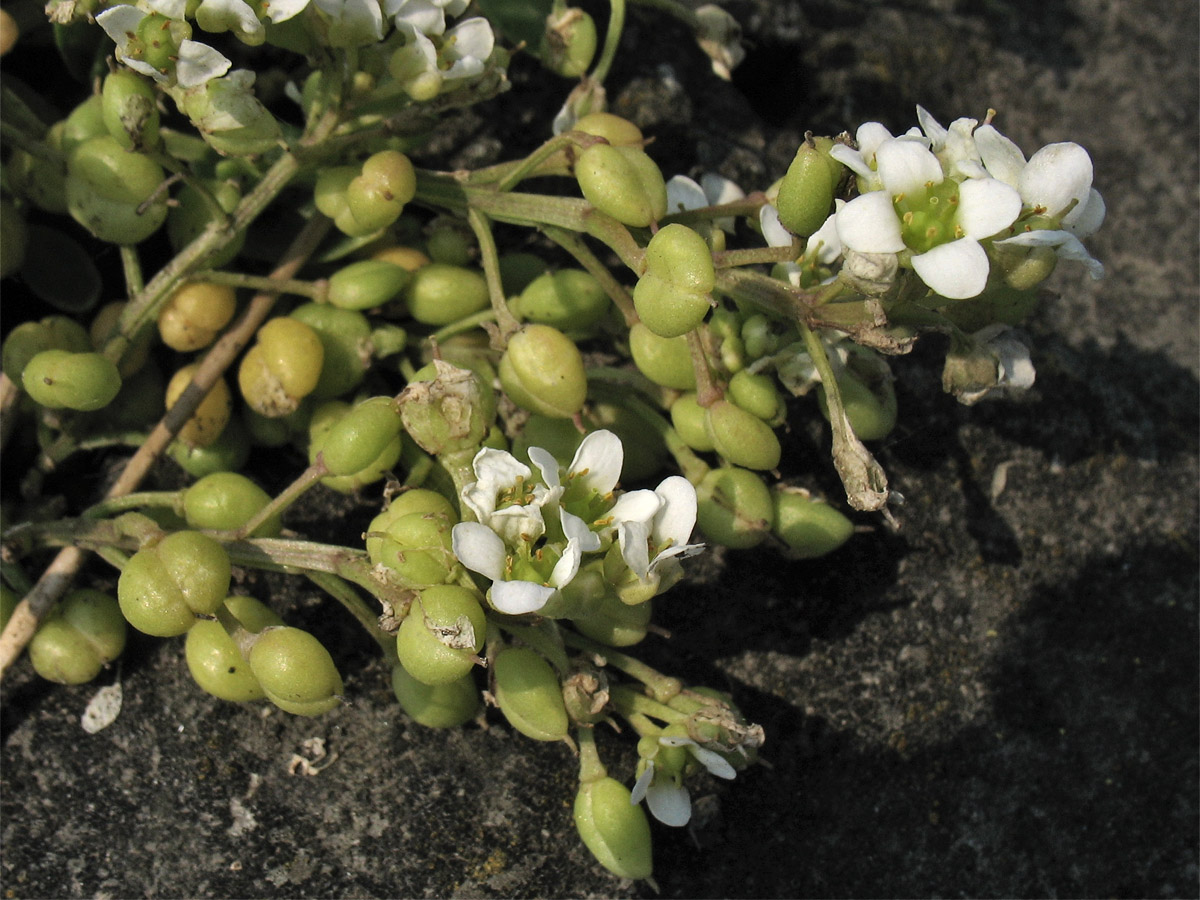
289, 495
612, 39
357, 607
491, 271
662, 687
314, 290
616, 291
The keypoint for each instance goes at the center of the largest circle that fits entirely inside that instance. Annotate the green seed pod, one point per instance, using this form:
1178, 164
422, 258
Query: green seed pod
613, 828
622, 182
872, 415
163, 588
281, 368
366, 284
214, 660
361, 436
665, 361
441, 635
377, 196
665, 309
77, 640
806, 192
416, 546
759, 339
29, 339
41, 179
224, 501
757, 394
416, 500
451, 412
325, 418
436, 705
228, 453
615, 623
741, 437
688, 417
295, 671
192, 214
570, 300
347, 343
129, 107
529, 694
449, 241
208, 422
107, 187
60, 379
679, 255
733, 508
809, 527
439, 294
569, 43
542, 371
617, 131
329, 192
85, 121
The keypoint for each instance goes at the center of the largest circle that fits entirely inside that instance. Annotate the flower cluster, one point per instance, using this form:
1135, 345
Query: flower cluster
534, 533
946, 201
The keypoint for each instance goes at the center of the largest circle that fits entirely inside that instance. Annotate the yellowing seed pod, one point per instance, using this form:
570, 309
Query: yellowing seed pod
282, 368
211, 416
192, 317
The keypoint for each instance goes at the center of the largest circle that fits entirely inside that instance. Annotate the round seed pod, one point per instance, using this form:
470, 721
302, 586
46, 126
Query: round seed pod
665, 361
806, 191
441, 635
212, 415
224, 501
614, 828
60, 379
439, 294
78, 639
809, 527
741, 437
214, 660
295, 671
163, 588
624, 182
542, 371
108, 188
282, 368
733, 508
872, 415
436, 706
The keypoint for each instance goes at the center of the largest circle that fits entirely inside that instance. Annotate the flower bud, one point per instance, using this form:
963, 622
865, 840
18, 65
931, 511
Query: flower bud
208, 421
229, 117
59, 379
665, 361
281, 368
741, 437
622, 182
528, 692
614, 828
295, 671
733, 508
806, 191
542, 371
450, 413
81, 636
163, 588
436, 705
441, 635
809, 527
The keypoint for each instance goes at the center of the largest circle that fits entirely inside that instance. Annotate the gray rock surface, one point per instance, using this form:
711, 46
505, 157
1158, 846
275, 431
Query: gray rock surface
999, 699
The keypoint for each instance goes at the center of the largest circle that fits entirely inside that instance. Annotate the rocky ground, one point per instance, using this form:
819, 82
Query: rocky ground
998, 699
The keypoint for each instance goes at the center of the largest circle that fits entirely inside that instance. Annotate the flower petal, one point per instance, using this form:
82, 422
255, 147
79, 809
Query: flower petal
519, 597
479, 549
547, 465
868, 137
772, 229
1002, 158
119, 21
869, 224
715, 763
598, 462
578, 534
932, 127
956, 270
824, 242
634, 539
674, 521
635, 506
683, 194
1087, 217
669, 802
986, 206
199, 63
282, 10
1065, 245
907, 167
1056, 175
638, 794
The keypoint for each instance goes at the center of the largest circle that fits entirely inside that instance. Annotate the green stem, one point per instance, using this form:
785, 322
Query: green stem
314, 290
628, 701
708, 391
357, 607
491, 271
467, 323
662, 687
616, 291
132, 267
590, 767
115, 505
612, 39
529, 164
289, 495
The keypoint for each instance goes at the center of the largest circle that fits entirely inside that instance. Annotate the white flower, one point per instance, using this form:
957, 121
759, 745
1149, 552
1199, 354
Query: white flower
870, 136
665, 794
506, 498
589, 482
954, 146
684, 193
481, 550
658, 522
195, 62
425, 16
910, 206
424, 68
352, 23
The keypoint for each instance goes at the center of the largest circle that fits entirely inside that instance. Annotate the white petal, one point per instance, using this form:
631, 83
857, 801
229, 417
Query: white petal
824, 242
869, 224
986, 206
673, 523
682, 551
715, 763
479, 549
598, 461
172, 9
1056, 175
868, 137
282, 10
119, 21
956, 270
468, 45
199, 63
932, 128
1065, 245
669, 802
635, 506
638, 794
1003, 158
519, 597
720, 190
683, 194
567, 567
417, 15
635, 550
546, 464
578, 533
906, 167
852, 159
1087, 217
772, 229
